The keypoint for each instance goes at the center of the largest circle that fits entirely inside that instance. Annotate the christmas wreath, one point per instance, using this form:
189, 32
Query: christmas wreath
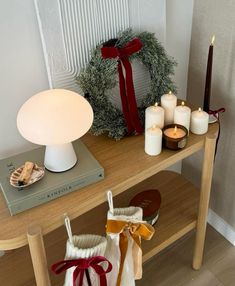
100, 77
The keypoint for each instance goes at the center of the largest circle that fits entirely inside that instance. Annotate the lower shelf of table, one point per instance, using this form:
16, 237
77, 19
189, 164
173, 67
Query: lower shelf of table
178, 214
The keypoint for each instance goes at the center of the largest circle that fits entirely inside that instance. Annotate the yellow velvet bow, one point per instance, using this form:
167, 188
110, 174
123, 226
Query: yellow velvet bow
137, 231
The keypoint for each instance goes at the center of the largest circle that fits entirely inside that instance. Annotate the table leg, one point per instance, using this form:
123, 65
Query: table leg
38, 255
206, 180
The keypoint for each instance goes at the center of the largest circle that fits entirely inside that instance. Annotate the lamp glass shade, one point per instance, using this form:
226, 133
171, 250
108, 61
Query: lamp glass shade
55, 118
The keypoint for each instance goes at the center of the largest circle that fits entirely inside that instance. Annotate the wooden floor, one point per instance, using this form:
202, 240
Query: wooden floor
172, 267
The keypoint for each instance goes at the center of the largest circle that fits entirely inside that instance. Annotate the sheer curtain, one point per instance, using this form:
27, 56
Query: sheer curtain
216, 17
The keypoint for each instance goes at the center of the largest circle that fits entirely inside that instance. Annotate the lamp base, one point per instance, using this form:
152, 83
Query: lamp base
60, 158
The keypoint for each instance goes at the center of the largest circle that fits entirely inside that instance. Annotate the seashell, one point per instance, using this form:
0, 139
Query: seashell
37, 174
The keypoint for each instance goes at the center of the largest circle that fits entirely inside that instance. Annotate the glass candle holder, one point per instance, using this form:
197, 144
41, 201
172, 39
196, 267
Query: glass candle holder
174, 136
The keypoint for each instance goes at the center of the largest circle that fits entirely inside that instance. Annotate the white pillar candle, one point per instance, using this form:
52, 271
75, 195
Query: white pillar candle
199, 122
153, 141
182, 115
168, 102
154, 115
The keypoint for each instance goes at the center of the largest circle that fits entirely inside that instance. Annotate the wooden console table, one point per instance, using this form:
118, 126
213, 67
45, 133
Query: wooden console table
127, 171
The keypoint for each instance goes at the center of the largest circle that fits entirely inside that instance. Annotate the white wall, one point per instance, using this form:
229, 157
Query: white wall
178, 36
216, 17
23, 72
22, 69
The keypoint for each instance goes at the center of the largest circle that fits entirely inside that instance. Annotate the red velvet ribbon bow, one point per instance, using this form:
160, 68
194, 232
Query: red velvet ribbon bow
127, 91
82, 266
216, 113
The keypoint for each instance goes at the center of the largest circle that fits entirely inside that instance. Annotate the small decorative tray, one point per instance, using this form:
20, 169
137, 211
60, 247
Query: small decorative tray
37, 174
212, 118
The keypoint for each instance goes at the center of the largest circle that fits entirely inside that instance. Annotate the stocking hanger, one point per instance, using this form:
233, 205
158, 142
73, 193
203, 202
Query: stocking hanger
68, 228
110, 200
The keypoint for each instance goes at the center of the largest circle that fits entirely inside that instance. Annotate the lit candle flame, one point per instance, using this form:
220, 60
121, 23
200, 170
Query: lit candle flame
154, 127
213, 40
156, 104
182, 103
175, 130
170, 92
199, 109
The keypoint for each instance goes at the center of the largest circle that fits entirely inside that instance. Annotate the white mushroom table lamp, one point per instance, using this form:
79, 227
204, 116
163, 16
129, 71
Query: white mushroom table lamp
55, 118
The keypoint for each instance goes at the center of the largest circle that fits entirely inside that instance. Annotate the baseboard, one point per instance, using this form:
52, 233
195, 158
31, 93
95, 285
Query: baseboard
221, 226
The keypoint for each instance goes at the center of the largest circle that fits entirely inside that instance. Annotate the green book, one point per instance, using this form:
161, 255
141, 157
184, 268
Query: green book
53, 185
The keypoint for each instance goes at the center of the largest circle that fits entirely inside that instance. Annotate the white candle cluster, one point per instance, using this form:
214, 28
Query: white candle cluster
169, 102
199, 122
153, 141
182, 115
156, 117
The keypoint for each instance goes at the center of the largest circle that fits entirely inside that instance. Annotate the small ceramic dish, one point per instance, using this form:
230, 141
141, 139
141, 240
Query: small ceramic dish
212, 118
37, 174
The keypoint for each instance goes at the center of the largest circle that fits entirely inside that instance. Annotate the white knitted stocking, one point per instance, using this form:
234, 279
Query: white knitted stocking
84, 246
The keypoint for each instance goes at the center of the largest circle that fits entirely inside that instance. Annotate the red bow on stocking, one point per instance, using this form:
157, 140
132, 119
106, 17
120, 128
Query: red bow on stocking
82, 266
127, 92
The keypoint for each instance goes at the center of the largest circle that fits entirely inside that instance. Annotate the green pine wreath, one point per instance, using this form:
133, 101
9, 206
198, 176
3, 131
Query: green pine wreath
100, 76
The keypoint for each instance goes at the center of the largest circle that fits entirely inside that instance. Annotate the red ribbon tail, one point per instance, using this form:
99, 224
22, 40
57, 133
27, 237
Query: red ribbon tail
130, 91
88, 277
100, 270
102, 274
127, 92
78, 272
125, 108
103, 281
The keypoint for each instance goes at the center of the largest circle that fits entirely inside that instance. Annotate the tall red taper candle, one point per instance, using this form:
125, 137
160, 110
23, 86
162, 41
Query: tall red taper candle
207, 93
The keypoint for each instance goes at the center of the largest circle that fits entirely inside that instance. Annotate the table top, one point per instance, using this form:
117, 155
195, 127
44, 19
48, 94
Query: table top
125, 164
